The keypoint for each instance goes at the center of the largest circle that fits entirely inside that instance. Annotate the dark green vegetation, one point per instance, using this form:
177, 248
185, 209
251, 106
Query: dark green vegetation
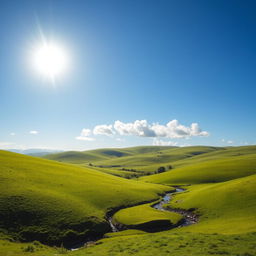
220, 187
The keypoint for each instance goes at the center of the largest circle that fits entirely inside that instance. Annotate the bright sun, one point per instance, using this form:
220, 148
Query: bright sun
50, 60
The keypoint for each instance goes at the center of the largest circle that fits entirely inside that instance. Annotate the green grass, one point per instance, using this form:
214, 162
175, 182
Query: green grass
97, 155
227, 207
158, 157
146, 160
55, 202
127, 232
162, 243
175, 244
146, 218
217, 170
113, 171
222, 192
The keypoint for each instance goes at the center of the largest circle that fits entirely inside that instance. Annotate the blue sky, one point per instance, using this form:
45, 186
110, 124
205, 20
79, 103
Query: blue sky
159, 61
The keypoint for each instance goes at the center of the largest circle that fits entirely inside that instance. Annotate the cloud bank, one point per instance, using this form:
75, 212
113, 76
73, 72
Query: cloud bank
173, 129
141, 128
103, 130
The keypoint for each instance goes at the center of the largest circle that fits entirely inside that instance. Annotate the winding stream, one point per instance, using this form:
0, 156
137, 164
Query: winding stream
189, 217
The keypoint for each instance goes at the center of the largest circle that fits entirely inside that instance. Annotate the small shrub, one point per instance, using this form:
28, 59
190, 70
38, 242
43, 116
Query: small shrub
29, 248
160, 169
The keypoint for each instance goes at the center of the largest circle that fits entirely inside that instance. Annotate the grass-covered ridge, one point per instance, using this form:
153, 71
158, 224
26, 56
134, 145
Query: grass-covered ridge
55, 202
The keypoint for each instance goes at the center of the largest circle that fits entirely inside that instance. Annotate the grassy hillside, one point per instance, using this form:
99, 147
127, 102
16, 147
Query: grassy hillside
175, 244
226, 207
217, 170
97, 155
227, 211
141, 160
55, 202
166, 155
222, 193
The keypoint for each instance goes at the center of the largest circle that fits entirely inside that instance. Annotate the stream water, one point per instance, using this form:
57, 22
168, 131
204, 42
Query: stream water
189, 217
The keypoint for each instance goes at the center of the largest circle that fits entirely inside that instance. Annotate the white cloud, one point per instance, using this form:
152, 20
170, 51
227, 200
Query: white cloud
139, 128
12, 133
34, 132
172, 129
103, 130
84, 135
157, 142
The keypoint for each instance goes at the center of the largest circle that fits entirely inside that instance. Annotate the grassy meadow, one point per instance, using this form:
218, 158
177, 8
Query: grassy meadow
66, 199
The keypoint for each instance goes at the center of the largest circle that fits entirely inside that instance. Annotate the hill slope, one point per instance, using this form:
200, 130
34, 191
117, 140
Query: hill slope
55, 202
225, 207
209, 169
78, 157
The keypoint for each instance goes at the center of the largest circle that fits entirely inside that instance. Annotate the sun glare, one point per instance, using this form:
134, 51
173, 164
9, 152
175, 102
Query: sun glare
50, 60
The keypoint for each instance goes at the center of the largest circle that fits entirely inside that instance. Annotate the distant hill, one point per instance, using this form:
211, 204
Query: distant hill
35, 151
97, 155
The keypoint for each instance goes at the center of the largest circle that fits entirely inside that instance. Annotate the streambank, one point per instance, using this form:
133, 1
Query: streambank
189, 218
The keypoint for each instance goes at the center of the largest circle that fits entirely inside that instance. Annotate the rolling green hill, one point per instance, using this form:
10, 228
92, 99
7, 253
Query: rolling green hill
143, 160
55, 202
222, 188
163, 156
214, 168
78, 157
226, 207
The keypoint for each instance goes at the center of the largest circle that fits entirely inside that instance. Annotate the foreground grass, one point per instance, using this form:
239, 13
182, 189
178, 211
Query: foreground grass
177, 244
162, 243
